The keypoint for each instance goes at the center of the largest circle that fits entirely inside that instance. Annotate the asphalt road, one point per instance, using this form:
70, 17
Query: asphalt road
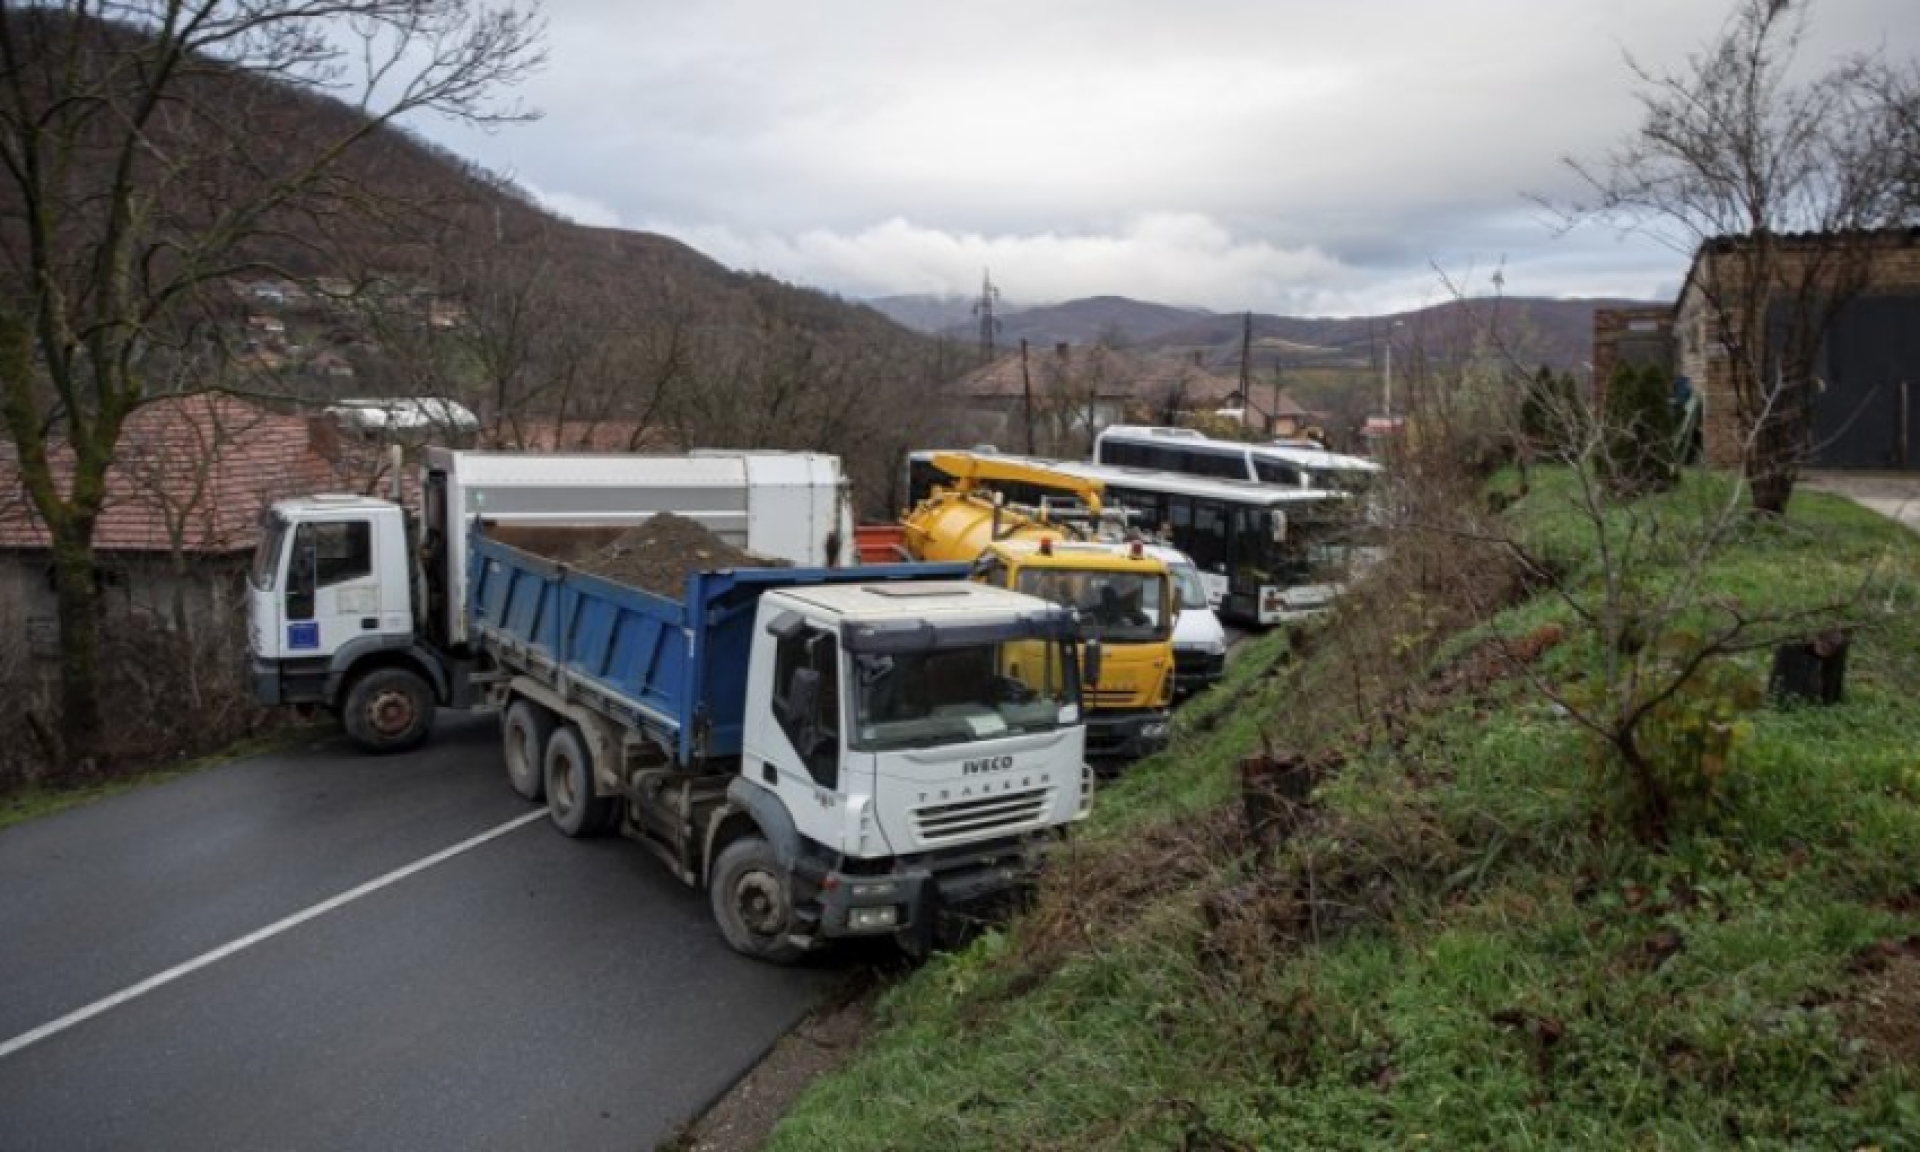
525, 991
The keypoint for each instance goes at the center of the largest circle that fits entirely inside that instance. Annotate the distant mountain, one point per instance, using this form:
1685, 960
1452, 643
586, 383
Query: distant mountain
1534, 329
1114, 320
934, 315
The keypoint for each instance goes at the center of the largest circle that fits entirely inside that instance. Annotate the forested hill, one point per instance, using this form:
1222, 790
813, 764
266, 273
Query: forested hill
1558, 332
409, 271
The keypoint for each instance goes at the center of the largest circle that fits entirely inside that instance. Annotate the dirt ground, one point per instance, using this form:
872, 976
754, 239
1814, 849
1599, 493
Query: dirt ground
660, 554
1884, 1010
743, 1119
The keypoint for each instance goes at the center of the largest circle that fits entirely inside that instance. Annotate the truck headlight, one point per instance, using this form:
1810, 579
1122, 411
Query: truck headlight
1154, 730
873, 919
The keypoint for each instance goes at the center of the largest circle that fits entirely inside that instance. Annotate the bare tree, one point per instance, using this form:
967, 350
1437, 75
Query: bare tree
1733, 156
150, 150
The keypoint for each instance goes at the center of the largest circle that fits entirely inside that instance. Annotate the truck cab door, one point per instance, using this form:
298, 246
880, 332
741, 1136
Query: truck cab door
332, 590
803, 749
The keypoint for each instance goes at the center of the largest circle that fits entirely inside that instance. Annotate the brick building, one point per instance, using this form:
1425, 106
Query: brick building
1865, 388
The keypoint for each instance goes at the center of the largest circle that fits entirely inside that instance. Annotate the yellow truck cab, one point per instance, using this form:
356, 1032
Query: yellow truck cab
1124, 598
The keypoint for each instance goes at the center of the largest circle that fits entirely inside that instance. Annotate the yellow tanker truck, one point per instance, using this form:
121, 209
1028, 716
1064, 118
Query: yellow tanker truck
1124, 596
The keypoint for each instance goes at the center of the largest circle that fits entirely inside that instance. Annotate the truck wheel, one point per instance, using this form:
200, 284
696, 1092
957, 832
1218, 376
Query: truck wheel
570, 799
524, 732
388, 710
753, 903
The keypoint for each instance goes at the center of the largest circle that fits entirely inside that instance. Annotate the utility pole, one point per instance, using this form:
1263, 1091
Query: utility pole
1246, 358
1386, 399
983, 308
1273, 414
1026, 391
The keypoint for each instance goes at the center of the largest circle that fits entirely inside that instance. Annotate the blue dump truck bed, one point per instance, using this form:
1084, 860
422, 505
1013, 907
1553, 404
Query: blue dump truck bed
676, 669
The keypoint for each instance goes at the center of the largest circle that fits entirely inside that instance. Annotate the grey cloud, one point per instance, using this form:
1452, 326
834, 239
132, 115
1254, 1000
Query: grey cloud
1204, 152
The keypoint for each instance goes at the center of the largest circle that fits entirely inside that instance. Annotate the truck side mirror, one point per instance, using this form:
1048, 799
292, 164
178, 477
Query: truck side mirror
1090, 663
785, 626
1279, 527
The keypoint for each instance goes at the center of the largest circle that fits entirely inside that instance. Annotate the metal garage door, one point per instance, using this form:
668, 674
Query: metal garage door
1866, 412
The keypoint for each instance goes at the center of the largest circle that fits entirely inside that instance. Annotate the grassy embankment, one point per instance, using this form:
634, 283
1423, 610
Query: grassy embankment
1460, 948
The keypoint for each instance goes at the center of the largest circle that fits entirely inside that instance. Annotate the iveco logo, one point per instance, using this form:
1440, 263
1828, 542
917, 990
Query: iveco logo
990, 764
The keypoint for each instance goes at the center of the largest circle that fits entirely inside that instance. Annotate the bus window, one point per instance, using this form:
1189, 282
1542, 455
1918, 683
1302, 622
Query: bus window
1145, 510
1206, 539
1253, 544
1273, 472
1231, 464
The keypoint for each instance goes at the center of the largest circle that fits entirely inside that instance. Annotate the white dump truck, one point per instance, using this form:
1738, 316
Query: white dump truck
371, 622
830, 751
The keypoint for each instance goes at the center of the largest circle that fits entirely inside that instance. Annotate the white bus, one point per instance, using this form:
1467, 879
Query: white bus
1193, 453
1266, 554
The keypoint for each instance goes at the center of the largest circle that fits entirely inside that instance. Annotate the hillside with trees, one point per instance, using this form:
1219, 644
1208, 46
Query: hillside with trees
222, 197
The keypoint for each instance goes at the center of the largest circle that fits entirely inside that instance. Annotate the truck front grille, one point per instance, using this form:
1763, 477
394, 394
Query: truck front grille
970, 819
1208, 665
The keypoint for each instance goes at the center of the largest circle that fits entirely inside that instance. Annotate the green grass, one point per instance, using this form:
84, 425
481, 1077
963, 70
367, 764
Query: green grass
1457, 953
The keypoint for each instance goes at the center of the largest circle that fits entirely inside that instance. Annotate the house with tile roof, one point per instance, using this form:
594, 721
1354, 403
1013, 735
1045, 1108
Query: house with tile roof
184, 497
1074, 392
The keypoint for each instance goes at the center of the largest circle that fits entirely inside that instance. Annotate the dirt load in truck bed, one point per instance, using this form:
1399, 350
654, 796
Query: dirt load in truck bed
660, 554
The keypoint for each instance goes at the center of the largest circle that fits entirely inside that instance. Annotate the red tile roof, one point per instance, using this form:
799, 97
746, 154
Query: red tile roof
193, 469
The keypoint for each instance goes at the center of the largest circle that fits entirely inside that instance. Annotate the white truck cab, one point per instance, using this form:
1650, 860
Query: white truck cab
331, 594
941, 720
1199, 640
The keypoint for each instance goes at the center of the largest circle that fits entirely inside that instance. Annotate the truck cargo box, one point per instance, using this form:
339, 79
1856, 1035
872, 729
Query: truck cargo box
788, 506
675, 669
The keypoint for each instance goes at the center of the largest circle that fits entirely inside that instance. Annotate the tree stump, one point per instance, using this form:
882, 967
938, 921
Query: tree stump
1275, 792
1812, 670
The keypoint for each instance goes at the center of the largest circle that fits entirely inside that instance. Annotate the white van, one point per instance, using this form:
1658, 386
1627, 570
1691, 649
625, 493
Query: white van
1199, 642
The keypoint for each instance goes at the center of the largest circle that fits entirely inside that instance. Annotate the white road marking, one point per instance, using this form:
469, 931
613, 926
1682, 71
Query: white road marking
250, 939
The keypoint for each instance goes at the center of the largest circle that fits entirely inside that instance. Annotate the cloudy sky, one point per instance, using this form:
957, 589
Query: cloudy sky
1305, 157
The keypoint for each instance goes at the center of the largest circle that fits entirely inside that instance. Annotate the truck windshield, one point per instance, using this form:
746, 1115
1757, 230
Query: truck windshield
266, 557
1113, 606
1187, 588
954, 695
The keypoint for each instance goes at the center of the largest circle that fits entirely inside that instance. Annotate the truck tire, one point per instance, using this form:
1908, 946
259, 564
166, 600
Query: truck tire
576, 811
388, 710
524, 731
753, 902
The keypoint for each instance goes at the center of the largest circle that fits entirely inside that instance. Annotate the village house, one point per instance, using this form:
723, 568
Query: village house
182, 515
1865, 389
1074, 392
